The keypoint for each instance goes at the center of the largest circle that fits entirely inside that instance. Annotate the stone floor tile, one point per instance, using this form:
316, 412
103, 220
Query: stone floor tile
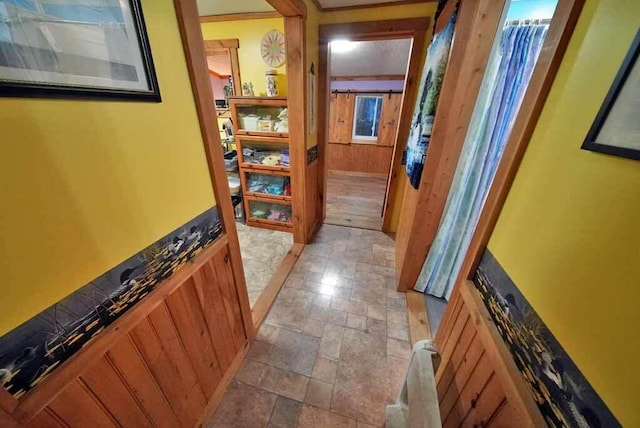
268, 333
250, 372
325, 370
295, 352
282, 382
331, 342
398, 348
378, 312
398, 302
313, 327
285, 413
315, 417
337, 317
259, 351
358, 322
234, 412
319, 394
377, 327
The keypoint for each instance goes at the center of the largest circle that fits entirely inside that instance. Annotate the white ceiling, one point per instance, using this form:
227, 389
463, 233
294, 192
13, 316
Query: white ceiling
326, 4
223, 7
374, 58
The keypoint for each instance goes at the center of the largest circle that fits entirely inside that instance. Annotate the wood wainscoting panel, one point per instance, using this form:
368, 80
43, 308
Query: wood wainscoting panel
369, 158
164, 363
477, 382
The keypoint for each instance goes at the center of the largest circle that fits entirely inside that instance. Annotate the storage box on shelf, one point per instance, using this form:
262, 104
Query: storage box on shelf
262, 140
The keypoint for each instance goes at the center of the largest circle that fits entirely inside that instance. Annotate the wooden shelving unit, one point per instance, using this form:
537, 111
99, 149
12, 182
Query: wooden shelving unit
275, 177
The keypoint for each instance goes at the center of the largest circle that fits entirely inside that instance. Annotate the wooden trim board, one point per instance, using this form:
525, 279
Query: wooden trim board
193, 44
419, 328
476, 26
238, 16
556, 42
415, 28
216, 45
270, 292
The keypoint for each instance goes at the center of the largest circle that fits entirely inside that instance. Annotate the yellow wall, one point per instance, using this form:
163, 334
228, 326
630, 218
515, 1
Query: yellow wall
249, 33
379, 13
569, 234
87, 184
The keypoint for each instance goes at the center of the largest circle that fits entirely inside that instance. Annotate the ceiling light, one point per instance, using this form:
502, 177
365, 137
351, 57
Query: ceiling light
343, 46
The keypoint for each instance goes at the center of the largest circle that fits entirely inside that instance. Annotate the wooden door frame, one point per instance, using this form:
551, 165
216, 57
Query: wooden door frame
231, 46
194, 49
414, 28
422, 212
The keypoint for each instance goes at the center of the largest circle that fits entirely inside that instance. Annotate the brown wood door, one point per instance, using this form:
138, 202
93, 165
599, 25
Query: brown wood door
341, 118
389, 119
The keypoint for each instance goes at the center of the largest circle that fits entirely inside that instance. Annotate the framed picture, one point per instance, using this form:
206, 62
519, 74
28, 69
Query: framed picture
616, 129
96, 49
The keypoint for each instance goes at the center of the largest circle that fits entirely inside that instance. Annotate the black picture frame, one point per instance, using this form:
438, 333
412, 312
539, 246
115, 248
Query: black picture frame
19, 89
590, 142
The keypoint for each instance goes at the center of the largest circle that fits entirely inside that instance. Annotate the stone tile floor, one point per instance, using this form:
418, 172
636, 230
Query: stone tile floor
334, 348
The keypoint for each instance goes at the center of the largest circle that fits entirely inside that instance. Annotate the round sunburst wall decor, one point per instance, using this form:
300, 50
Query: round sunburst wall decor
272, 48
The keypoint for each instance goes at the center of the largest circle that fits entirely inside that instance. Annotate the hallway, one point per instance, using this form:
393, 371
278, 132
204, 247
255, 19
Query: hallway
355, 201
335, 346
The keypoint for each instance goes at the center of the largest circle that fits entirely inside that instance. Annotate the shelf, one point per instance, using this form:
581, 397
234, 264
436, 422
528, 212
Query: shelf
241, 132
264, 168
268, 224
263, 139
267, 197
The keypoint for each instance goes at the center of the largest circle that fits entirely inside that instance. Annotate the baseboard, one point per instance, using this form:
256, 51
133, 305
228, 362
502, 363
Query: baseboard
270, 293
357, 173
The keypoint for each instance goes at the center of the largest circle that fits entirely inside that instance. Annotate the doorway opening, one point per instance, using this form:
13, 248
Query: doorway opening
513, 54
249, 86
367, 80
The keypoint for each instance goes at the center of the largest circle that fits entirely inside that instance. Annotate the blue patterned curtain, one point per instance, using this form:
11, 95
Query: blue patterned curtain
503, 89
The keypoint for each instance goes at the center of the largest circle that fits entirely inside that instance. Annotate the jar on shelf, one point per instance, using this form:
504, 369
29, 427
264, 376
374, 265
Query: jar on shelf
272, 83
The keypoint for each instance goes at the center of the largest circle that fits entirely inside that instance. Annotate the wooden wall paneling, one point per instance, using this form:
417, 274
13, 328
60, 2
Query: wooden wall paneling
195, 337
224, 278
466, 351
77, 407
216, 45
366, 158
133, 370
341, 110
213, 308
311, 196
192, 41
173, 345
187, 406
44, 419
476, 26
465, 390
503, 363
487, 404
106, 384
389, 119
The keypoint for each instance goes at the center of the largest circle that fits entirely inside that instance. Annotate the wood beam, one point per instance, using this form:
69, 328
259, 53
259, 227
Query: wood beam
294, 28
239, 16
193, 45
216, 45
289, 8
